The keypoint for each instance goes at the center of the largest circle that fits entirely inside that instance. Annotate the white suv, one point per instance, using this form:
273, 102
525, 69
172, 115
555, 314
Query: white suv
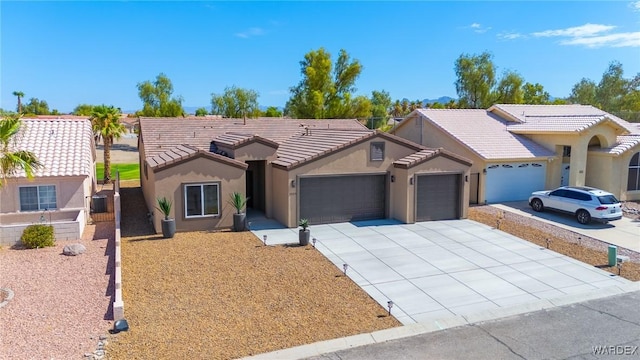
585, 203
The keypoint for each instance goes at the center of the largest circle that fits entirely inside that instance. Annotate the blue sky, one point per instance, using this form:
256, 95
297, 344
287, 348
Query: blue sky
75, 52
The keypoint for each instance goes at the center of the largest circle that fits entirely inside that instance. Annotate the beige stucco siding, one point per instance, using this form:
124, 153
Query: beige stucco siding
399, 202
70, 192
170, 182
283, 195
254, 151
599, 172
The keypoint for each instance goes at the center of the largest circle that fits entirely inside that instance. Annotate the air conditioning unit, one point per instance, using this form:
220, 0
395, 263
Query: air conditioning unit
99, 203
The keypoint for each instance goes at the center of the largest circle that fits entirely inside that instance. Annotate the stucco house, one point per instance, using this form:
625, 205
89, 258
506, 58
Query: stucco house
517, 149
60, 192
322, 170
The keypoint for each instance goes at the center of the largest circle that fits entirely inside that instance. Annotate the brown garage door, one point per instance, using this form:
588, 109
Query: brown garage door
330, 199
438, 197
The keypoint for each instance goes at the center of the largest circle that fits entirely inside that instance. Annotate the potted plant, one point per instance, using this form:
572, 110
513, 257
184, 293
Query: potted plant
168, 224
305, 233
238, 201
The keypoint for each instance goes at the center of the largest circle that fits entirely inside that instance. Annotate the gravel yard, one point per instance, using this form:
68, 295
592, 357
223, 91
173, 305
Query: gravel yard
60, 302
580, 247
222, 295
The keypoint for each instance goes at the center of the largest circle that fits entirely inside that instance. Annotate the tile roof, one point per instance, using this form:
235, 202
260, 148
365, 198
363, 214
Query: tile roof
301, 148
181, 153
159, 134
558, 113
555, 124
64, 146
484, 133
235, 140
425, 155
624, 144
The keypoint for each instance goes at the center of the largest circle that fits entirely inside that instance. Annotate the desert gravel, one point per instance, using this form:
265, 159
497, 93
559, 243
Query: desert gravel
60, 302
223, 295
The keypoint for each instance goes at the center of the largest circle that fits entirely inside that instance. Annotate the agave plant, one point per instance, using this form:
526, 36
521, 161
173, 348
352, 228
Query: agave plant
238, 201
304, 224
164, 205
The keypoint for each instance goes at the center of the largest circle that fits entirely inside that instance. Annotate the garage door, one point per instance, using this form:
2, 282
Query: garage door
514, 181
325, 199
438, 197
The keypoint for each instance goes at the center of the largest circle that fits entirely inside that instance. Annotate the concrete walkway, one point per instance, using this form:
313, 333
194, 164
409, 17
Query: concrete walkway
624, 232
442, 269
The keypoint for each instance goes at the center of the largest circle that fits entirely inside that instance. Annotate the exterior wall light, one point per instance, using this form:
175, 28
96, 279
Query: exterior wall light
293, 183
393, 178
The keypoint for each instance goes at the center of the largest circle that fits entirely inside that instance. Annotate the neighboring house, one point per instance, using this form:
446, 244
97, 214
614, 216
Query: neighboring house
60, 192
322, 170
517, 149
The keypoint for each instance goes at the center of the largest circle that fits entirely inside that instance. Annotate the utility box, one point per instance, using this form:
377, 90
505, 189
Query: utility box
613, 255
99, 203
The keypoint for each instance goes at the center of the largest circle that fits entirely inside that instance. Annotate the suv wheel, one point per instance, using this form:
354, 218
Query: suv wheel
536, 205
583, 217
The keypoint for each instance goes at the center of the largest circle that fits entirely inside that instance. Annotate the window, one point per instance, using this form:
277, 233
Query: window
633, 181
202, 200
566, 151
608, 200
377, 151
559, 192
34, 198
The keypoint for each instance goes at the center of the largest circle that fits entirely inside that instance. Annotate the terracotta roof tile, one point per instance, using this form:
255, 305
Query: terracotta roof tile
484, 133
624, 144
555, 124
235, 140
427, 154
181, 153
64, 146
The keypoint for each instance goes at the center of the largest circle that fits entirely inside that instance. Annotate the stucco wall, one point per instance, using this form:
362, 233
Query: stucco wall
621, 166
599, 173
284, 196
70, 192
170, 182
67, 225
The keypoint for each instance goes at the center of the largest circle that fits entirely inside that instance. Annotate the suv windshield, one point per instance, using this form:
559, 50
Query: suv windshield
608, 199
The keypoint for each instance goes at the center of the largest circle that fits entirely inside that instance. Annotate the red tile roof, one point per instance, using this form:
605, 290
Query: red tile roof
181, 153
428, 154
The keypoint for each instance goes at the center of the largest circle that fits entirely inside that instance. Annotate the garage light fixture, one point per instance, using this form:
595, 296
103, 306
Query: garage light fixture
466, 178
411, 180
484, 171
293, 183
393, 178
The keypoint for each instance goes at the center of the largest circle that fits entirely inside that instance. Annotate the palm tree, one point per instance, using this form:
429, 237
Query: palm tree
105, 121
12, 161
20, 95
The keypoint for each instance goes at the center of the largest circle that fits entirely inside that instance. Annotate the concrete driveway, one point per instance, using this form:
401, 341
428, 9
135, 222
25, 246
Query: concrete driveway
442, 269
624, 232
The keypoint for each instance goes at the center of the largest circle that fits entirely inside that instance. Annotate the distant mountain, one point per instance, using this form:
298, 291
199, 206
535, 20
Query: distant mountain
441, 100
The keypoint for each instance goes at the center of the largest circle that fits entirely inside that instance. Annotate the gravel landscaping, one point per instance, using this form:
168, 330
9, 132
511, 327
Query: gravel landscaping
61, 304
566, 242
222, 295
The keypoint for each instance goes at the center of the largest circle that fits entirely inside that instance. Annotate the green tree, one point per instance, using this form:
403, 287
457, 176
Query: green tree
273, 111
11, 159
36, 107
509, 89
475, 80
235, 102
584, 92
380, 108
534, 94
83, 110
396, 109
105, 121
612, 88
156, 98
19, 95
201, 111
325, 90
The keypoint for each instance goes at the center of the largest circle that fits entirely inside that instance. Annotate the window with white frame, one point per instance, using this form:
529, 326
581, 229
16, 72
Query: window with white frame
34, 198
201, 200
633, 181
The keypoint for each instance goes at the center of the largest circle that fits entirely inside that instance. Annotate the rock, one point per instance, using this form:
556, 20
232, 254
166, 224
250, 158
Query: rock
73, 249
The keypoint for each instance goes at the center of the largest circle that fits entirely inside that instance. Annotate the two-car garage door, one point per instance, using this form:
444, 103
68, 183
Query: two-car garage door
514, 181
331, 199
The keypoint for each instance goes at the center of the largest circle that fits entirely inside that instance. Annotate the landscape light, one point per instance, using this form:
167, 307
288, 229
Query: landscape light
313, 242
345, 266
548, 242
264, 238
389, 305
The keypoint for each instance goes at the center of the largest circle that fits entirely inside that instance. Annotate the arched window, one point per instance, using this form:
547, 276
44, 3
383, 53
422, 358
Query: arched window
633, 182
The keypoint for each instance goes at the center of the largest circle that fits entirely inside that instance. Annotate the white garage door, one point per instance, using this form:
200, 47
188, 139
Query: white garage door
514, 181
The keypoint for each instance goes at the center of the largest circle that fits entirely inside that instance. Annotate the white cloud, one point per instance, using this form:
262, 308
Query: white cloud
593, 36
631, 39
578, 31
510, 36
250, 33
635, 5
478, 28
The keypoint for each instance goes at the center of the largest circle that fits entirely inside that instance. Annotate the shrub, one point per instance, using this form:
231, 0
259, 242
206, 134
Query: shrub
37, 236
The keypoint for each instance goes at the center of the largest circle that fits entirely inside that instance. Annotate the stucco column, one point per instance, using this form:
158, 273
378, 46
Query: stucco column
578, 163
